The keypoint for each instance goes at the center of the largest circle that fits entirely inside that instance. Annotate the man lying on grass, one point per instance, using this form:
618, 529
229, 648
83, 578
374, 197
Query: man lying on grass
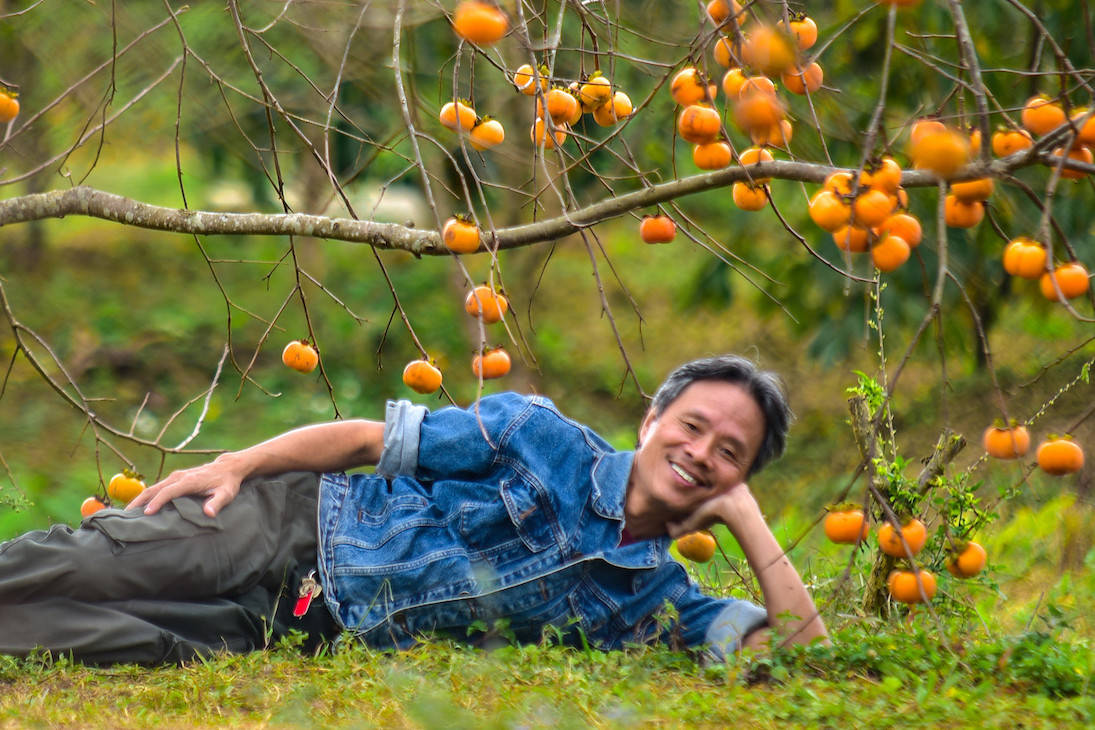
504, 511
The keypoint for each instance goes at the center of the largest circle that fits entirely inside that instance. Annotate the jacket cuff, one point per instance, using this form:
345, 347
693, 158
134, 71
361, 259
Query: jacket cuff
731, 625
402, 423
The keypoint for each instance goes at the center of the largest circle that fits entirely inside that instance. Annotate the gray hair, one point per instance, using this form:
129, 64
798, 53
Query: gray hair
766, 387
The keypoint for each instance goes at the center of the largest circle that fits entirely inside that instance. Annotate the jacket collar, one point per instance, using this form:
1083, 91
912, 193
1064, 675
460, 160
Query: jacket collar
610, 475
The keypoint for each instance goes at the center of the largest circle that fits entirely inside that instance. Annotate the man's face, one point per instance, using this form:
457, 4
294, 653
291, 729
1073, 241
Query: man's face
700, 447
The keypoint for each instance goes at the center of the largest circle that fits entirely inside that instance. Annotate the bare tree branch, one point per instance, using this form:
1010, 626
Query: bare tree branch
86, 201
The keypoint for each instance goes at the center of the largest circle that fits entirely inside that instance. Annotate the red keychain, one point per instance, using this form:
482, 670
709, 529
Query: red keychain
309, 589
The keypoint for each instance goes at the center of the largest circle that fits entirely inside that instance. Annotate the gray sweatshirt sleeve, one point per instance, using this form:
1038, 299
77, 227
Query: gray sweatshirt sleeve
402, 421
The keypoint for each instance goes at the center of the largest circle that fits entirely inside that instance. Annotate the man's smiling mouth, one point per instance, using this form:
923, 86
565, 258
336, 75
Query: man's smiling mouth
684, 475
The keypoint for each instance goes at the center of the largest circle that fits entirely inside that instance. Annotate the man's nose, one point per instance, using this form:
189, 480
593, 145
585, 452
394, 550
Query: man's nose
701, 450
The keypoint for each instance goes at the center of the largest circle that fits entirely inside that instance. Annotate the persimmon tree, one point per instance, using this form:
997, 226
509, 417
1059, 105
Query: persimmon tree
865, 167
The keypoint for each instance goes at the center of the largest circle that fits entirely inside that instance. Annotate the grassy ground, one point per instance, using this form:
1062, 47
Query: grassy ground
914, 677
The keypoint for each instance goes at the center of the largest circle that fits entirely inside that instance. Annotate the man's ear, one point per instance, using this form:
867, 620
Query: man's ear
648, 421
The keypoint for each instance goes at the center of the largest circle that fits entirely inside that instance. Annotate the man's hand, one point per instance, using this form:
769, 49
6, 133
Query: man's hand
217, 480
727, 509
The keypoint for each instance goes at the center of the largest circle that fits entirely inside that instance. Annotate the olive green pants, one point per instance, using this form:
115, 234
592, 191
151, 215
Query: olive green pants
169, 587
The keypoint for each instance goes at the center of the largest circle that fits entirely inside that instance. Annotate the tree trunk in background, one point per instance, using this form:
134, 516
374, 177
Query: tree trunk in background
1078, 523
19, 67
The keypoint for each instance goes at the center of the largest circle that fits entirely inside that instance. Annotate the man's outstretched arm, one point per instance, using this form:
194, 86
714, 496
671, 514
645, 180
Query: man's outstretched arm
325, 447
792, 615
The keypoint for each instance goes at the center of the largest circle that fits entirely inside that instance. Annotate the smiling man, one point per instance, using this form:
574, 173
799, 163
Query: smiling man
504, 514
713, 423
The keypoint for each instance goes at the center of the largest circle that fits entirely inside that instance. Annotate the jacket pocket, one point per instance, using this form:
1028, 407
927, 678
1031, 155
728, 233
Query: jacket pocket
389, 509
531, 512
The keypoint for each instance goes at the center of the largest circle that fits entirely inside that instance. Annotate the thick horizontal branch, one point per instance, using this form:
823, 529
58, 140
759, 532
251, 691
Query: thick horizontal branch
86, 201
93, 203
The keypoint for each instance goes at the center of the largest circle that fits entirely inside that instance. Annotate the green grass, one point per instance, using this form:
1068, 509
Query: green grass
909, 675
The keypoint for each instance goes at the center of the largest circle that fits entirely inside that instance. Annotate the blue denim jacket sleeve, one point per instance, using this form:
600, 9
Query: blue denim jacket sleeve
469, 443
716, 624
462, 442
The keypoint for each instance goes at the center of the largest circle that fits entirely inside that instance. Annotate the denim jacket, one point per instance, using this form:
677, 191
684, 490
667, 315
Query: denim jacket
504, 510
